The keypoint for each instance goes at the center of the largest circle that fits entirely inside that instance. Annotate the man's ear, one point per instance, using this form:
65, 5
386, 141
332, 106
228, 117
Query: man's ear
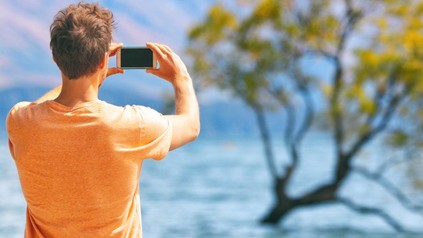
54, 58
104, 62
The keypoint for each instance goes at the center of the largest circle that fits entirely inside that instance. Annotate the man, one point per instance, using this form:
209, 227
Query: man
79, 159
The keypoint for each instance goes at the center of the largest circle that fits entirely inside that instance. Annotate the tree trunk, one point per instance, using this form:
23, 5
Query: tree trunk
276, 213
282, 206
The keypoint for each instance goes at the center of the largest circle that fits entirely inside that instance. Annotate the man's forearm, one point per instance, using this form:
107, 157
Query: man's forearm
185, 100
50, 95
186, 121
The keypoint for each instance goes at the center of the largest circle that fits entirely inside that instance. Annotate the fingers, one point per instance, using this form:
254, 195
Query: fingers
156, 50
162, 51
165, 48
113, 48
112, 71
151, 71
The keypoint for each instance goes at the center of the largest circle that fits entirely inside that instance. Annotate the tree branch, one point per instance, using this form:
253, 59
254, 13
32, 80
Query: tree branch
309, 114
320, 52
372, 210
388, 186
290, 124
267, 143
324, 193
389, 163
382, 95
386, 118
304, 128
352, 18
279, 95
288, 134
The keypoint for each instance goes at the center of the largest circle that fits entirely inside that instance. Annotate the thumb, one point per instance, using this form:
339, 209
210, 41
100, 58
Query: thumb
151, 71
112, 71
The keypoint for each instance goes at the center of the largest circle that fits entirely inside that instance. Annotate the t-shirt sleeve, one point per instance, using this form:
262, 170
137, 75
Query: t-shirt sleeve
155, 132
11, 124
12, 114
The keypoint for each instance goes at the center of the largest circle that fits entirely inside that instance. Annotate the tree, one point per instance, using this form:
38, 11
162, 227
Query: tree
262, 52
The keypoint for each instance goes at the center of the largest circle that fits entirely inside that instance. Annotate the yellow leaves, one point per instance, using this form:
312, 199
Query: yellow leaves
365, 103
419, 8
413, 65
326, 89
221, 17
382, 23
418, 184
213, 29
419, 87
268, 9
402, 10
413, 41
412, 71
292, 30
322, 32
370, 58
415, 23
398, 138
375, 65
404, 27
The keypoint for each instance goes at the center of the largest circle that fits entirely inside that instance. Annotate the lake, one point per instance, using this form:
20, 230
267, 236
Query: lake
220, 187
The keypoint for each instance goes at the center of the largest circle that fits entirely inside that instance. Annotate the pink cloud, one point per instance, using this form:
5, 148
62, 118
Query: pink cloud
130, 32
23, 31
166, 21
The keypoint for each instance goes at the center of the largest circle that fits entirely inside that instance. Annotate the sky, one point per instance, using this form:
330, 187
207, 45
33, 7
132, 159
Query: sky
25, 56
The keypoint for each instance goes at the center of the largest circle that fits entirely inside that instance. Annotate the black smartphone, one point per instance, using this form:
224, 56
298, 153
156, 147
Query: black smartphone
135, 58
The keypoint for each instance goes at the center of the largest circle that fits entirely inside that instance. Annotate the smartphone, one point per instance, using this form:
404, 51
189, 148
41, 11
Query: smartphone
135, 58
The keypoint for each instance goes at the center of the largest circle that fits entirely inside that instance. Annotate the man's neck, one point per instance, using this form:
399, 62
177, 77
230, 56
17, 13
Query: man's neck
77, 91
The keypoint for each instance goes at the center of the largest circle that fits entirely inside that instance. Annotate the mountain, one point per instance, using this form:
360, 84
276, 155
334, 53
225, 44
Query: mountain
219, 119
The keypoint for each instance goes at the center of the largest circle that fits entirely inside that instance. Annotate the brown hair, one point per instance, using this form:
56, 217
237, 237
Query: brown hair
79, 38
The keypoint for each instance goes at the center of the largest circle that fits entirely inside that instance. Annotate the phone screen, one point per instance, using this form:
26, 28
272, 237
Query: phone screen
140, 57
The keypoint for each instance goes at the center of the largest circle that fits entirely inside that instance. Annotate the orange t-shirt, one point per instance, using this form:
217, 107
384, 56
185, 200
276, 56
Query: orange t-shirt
79, 167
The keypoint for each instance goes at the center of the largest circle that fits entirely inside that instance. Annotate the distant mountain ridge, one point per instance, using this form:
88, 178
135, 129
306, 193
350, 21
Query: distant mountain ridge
220, 119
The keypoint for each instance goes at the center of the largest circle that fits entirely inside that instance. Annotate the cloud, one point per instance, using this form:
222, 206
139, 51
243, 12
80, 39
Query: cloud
22, 30
28, 78
4, 83
162, 20
130, 32
25, 56
5, 63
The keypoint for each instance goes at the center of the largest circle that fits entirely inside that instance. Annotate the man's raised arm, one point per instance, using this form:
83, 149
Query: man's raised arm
186, 121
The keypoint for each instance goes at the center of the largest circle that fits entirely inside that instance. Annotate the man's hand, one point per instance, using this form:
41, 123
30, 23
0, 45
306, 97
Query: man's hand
171, 68
113, 48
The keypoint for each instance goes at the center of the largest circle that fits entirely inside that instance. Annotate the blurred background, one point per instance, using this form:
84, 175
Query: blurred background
311, 114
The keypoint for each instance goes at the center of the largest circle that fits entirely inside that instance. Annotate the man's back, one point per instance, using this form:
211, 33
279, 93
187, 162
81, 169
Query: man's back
78, 158
79, 167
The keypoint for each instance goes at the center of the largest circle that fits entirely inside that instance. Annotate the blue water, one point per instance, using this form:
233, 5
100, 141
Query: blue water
221, 187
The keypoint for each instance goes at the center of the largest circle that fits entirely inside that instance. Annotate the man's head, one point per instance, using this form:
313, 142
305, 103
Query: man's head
80, 38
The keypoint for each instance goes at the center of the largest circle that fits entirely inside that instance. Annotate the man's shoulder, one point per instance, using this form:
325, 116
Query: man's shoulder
137, 114
19, 107
135, 109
